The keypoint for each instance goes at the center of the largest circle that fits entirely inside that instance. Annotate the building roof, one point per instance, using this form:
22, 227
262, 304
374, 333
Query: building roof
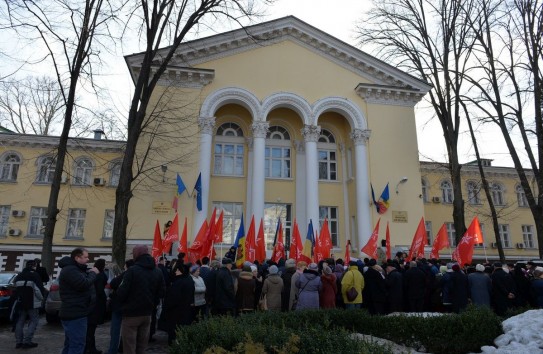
47, 141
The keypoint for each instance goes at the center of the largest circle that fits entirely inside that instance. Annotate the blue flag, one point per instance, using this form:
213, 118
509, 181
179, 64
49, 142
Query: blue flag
180, 185
198, 187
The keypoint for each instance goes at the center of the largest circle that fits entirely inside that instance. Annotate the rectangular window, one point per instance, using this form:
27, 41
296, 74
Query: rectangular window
528, 236
228, 159
76, 223
327, 165
38, 217
109, 218
272, 213
505, 236
5, 210
451, 233
330, 213
428, 225
231, 220
277, 162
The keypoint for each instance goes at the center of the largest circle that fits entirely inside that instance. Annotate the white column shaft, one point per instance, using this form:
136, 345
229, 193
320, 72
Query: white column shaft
363, 212
260, 130
206, 141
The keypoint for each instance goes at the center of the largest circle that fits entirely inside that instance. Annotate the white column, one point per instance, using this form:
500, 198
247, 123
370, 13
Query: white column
207, 127
311, 135
363, 213
300, 185
249, 201
347, 212
260, 129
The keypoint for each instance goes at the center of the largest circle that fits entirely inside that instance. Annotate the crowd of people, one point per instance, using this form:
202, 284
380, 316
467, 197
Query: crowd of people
146, 296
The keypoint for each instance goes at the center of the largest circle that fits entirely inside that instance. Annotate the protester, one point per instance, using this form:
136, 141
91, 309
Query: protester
115, 306
293, 301
537, 286
179, 301
309, 285
376, 289
480, 287
327, 298
503, 289
98, 312
459, 289
415, 287
290, 270
352, 279
394, 286
272, 289
224, 302
42, 271
198, 311
245, 294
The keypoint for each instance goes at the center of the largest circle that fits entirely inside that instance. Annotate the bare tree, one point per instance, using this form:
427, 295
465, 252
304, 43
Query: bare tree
162, 24
70, 32
430, 39
506, 83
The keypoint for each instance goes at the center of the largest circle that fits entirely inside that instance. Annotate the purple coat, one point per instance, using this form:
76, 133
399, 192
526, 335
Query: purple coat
309, 285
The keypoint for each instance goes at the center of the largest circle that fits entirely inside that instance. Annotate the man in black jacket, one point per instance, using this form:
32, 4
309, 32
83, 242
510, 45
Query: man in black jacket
139, 292
31, 282
76, 286
225, 295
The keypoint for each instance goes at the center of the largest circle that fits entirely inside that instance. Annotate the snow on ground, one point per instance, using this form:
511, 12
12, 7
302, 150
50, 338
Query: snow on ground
522, 334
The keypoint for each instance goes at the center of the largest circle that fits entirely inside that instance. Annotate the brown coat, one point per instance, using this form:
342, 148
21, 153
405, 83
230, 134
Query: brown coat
273, 287
245, 295
329, 290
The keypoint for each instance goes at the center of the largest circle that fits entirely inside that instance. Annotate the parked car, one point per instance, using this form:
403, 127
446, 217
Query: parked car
7, 286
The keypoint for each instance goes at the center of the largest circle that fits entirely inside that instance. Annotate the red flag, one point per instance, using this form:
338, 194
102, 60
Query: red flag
317, 249
207, 250
477, 231
347, 253
183, 248
279, 248
157, 243
419, 241
197, 246
371, 247
172, 235
250, 242
175, 202
296, 247
389, 253
218, 228
441, 241
464, 251
326, 240
260, 244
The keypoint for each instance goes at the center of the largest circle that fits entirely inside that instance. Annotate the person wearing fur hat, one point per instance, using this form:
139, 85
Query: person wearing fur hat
273, 288
480, 287
245, 296
309, 286
329, 288
290, 270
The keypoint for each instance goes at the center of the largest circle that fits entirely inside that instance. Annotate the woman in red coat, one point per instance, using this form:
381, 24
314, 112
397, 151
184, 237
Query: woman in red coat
329, 288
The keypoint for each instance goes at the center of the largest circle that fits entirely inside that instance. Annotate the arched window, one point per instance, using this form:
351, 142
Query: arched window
447, 192
497, 192
9, 166
115, 173
229, 150
277, 153
83, 172
521, 196
46, 169
327, 151
473, 192
425, 190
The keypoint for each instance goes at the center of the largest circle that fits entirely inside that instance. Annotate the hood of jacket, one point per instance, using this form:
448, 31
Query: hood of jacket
274, 278
145, 261
68, 261
246, 275
311, 274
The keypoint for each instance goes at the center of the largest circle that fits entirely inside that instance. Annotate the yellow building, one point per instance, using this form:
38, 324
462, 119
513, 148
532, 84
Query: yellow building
516, 224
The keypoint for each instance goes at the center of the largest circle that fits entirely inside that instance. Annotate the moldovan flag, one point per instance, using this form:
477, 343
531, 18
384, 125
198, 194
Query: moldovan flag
183, 248
325, 240
218, 228
279, 247
382, 204
295, 251
371, 247
240, 244
157, 243
464, 251
347, 253
441, 241
250, 242
308, 244
260, 244
197, 246
171, 236
419, 241
389, 253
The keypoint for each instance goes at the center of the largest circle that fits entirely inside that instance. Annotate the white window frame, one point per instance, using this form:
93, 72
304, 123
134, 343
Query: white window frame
425, 189
498, 194
75, 228
333, 222
474, 193
115, 173
83, 168
505, 235
5, 212
46, 169
528, 236
451, 233
9, 166
429, 235
36, 225
284, 160
229, 134
273, 212
109, 218
447, 194
326, 146
521, 196
231, 219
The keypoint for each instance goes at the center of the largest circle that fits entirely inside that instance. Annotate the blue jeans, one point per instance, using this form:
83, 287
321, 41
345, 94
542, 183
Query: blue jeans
115, 332
75, 335
33, 318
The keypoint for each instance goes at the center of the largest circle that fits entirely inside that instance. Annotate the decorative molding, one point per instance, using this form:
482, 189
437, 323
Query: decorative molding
51, 142
311, 133
343, 106
260, 129
389, 95
230, 95
178, 76
250, 142
207, 125
289, 100
299, 146
360, 137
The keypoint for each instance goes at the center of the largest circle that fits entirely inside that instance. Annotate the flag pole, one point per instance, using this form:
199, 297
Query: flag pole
484, 248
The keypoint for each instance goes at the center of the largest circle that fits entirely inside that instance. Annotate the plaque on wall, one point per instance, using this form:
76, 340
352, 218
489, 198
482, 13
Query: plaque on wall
162, 208
399, 216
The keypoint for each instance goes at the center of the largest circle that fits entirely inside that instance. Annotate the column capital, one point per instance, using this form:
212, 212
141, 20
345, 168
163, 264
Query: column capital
311, 133
260, 129
207, 125
360, 137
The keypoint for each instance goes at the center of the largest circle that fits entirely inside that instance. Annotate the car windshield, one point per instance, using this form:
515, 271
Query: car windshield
5, 278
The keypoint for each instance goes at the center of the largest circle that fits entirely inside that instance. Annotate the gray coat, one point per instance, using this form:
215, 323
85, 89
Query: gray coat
480, 289
273, 287
309, 285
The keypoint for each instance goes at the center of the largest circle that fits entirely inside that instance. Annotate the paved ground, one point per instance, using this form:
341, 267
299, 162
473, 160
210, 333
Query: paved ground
50, 339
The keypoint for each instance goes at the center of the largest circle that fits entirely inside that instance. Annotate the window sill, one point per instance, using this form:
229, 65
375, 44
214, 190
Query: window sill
81, 185
335, 181
287, 179
34, 237
228, 176
73, 238
8, 181
42, 183
106, 239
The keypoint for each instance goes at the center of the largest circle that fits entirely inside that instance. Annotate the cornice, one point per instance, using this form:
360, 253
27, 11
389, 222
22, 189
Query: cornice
178, 76
389, 95
51, 142
473, 170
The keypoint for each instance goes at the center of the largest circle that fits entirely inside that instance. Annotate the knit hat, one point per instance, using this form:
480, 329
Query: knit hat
194, 268
480, 268
226, 261
443, 269
456, 267
372, 262
327, 270
273, 269
253, 268
247, 268
313, 266
139, 250
290, 263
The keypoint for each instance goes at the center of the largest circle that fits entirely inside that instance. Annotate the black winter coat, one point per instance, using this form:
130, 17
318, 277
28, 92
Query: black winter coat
415, 283
179, 301
459, 291
76, 289
98, 313
225, 295
394, 283
287, 284
142, 288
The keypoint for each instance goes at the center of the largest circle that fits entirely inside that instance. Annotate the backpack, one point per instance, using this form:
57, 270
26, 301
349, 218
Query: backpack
25, 296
